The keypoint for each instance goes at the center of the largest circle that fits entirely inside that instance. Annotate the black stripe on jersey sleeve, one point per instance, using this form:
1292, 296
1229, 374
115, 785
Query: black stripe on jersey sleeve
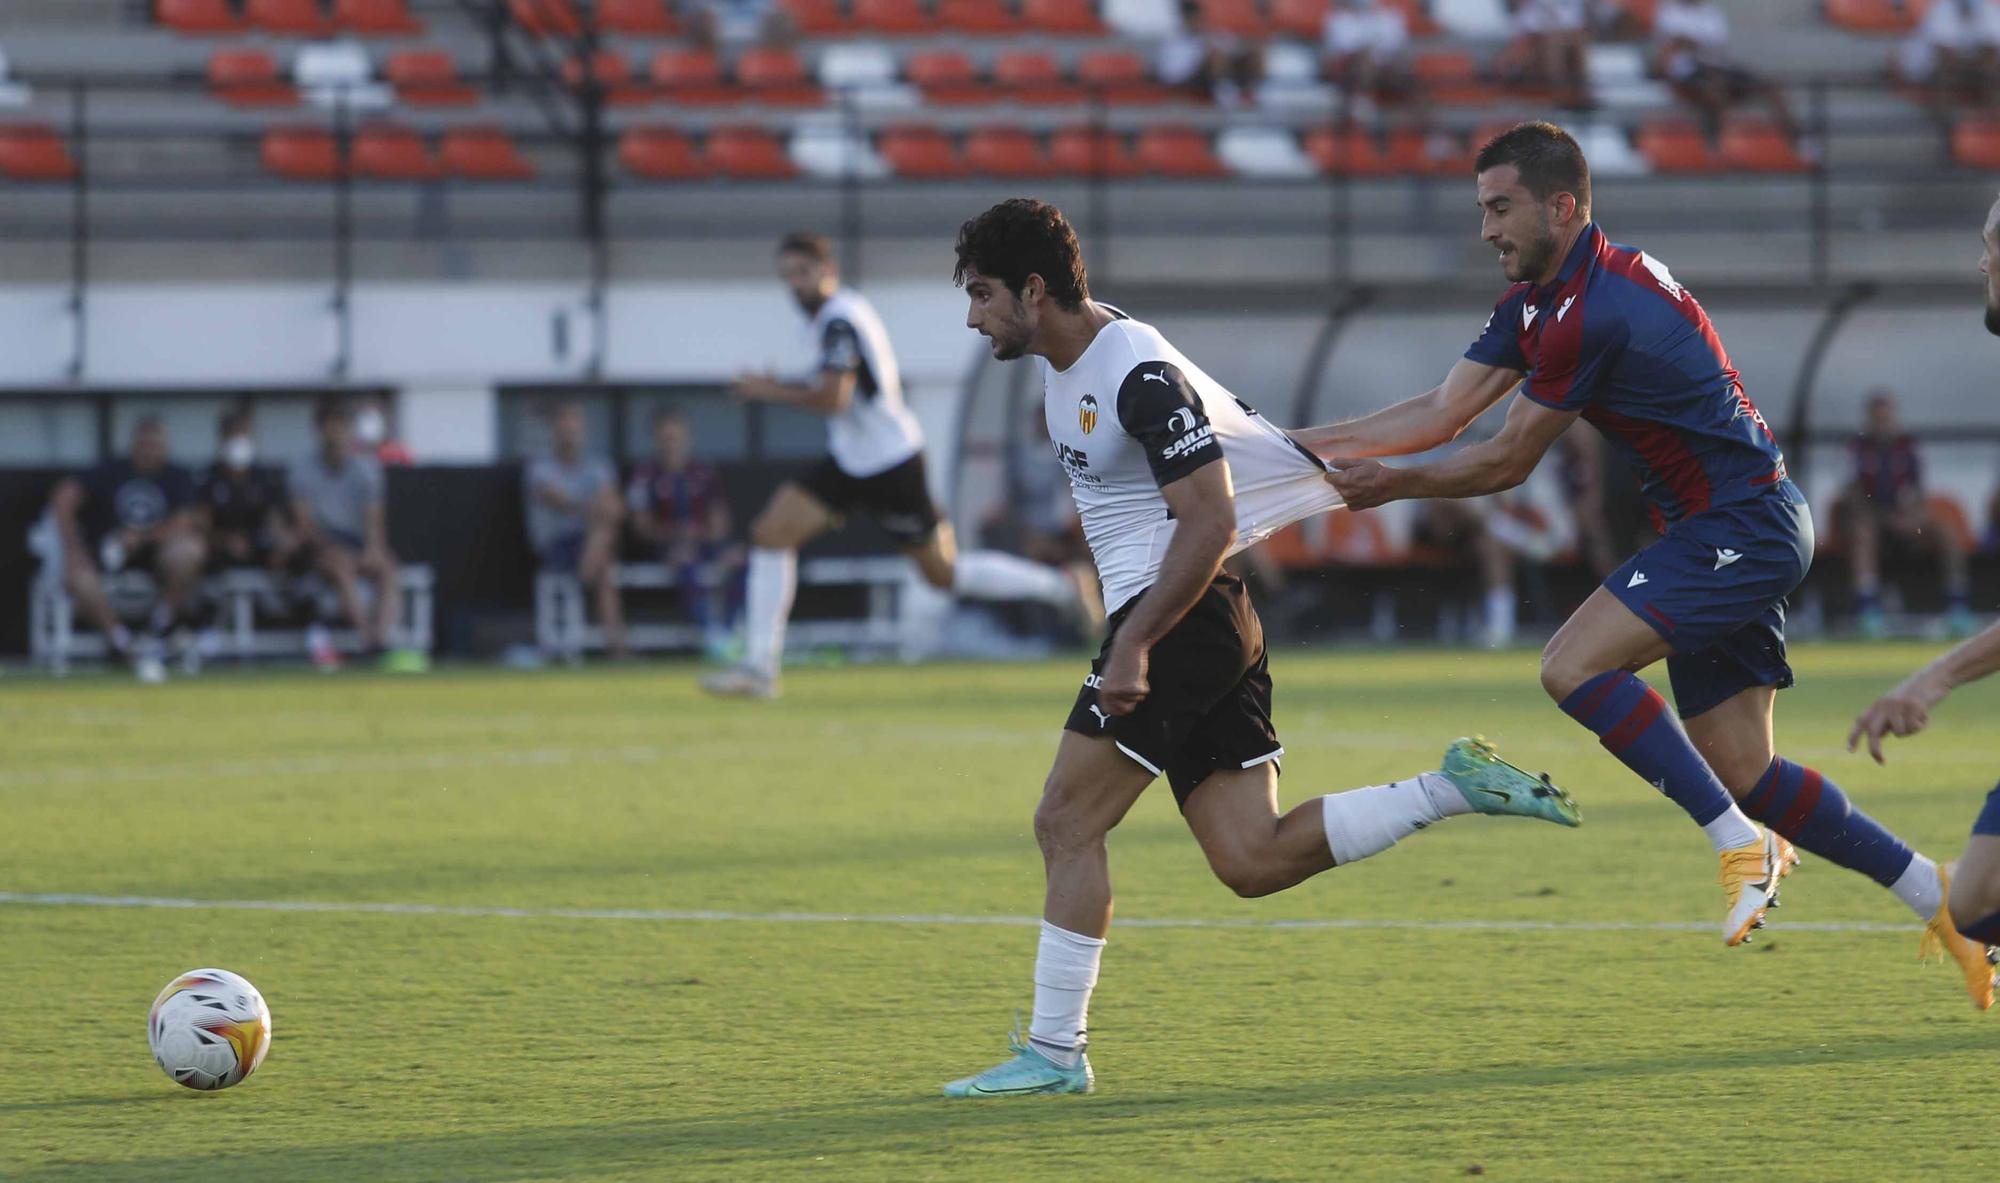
840, 347
1158, 408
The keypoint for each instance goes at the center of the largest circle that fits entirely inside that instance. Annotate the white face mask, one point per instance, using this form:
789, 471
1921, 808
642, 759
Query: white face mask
239, 451
370, 427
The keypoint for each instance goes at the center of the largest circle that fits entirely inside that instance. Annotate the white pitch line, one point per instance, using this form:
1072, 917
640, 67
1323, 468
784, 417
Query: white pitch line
669, 916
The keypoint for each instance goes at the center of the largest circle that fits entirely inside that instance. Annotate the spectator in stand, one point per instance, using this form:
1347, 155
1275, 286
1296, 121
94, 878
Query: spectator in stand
137, 512
374, 435
1887, 496
1367, 54
1955, 52
1692, 40
339, 506
1217, 66
573, 515
677, 505
242, 508
1550, 49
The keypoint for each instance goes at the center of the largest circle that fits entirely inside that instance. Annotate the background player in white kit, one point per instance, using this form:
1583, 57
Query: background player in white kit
875, 465
1171, 474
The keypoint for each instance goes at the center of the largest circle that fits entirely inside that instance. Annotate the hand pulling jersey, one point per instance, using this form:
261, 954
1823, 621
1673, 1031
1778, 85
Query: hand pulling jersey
1133, 415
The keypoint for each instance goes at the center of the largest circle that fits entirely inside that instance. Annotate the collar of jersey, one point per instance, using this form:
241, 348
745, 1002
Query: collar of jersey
1580, 252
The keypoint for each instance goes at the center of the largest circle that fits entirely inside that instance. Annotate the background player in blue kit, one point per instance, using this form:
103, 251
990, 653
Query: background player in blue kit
1603, 331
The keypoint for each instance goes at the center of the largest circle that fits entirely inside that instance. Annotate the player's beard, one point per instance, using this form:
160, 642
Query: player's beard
1010, 340
1532, 256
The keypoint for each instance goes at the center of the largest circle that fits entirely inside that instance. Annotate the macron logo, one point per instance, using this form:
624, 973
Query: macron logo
1564, 310
1160, 377
1528, 314
1638, 577
1724, 556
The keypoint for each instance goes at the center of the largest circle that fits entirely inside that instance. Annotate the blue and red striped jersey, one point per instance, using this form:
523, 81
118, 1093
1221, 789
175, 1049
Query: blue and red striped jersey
1615, 337
1886, 470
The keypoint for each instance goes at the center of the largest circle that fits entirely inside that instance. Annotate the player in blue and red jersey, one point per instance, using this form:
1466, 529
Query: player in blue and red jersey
1604, 332
677, 504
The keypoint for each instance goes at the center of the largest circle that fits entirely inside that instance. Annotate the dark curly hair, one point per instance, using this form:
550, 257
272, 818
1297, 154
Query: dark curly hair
1549, 160
1022, 237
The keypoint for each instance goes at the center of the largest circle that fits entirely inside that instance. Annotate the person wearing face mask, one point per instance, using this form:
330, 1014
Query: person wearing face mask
372, 437
242, 506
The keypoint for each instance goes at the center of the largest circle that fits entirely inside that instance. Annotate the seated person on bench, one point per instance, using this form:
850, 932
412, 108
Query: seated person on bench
573, 514
338, 506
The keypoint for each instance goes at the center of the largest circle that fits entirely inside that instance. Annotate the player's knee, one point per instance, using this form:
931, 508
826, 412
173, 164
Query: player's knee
1062, 822
1561, 674
938, 575
766, 533
1246, 875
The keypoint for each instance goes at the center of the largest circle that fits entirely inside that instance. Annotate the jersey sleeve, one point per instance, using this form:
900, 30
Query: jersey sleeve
1499, 343
1576, 353
1159, 409
840, 348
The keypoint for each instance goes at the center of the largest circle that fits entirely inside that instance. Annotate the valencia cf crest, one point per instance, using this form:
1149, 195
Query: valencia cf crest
1086, 413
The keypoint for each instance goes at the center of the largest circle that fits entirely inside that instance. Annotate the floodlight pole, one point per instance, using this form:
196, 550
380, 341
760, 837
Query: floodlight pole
343, 239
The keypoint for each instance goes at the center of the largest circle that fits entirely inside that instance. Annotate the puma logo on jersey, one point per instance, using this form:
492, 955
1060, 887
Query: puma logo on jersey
1564, 310
1160, 377
1724, 556
1103, 720
1528, 314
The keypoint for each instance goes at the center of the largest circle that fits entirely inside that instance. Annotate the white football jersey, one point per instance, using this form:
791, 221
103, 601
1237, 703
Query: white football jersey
877, 431
1132, 415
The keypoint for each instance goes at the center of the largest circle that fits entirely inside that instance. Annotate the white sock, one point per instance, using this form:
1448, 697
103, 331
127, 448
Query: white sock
767, 602
1065, 974
1920, 887
1361, 822
994, 575
1731, 829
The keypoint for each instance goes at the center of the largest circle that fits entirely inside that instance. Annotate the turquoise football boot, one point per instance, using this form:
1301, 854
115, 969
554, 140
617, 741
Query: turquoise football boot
1491, 785
1027, 1074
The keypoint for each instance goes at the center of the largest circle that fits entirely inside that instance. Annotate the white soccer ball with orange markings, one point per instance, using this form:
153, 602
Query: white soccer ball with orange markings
209, 1029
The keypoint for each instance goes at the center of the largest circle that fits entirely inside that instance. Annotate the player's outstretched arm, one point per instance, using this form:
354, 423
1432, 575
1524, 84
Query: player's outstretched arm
1486, 467
1906, 710
828, 394
1204, 507
1416, 424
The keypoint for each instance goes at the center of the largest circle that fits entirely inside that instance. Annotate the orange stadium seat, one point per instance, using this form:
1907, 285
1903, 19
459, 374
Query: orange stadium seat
1676, 145
690, 77
1757, 145
1121, 77
288, 18
428, 78
922, 153
1304, 19
1231, 16
1005, 152
546, 18
947, 77
32, 152
377, 18
301, 153
1451, 77
483, 154
1351, 150
1645, 12
818, 18
1034, 76
249, 78
1873, 16
979, 17
198, 17
1975, 142
387, 153
777, 77
749, 154
1068, 18
612, 71
1092, 152
637, 18
660, 154
1177, 152
906, 18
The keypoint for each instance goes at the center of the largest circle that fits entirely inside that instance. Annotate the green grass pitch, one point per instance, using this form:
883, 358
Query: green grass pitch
470, 1045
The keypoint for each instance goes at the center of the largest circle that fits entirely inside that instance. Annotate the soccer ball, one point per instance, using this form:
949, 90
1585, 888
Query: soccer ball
209, 1029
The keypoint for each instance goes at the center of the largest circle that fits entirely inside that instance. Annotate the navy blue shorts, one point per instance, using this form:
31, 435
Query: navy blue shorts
1989, 817
562, 554
1715, 589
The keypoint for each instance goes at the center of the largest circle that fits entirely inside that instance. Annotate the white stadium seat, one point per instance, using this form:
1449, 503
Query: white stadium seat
1262, 152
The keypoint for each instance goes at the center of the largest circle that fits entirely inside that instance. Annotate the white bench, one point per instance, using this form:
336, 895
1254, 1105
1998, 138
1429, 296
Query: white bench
563, 629
54, 642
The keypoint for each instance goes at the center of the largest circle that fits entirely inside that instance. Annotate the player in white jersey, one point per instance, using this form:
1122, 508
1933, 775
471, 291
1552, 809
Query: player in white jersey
875, 466
1171, 473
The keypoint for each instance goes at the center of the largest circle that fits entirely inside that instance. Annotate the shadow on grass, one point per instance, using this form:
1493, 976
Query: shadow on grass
920, 1127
